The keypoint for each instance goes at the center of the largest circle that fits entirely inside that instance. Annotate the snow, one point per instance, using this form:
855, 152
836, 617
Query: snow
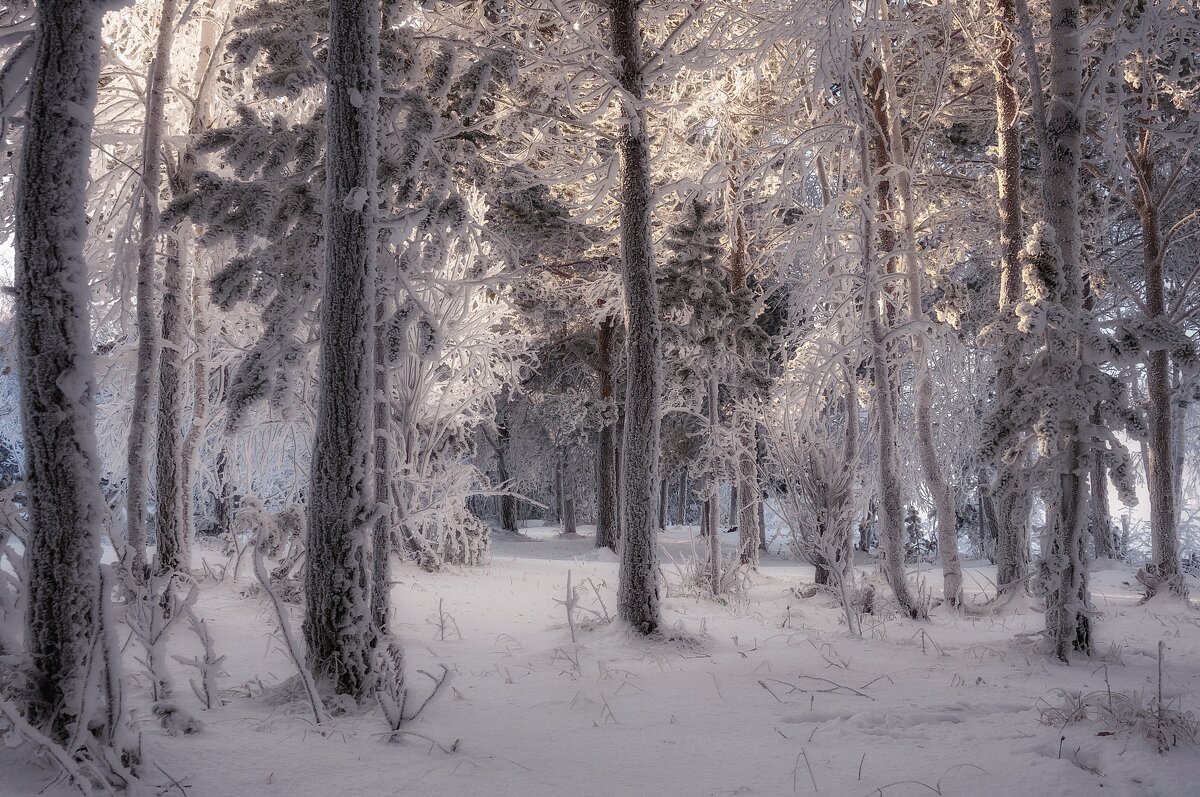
953, 703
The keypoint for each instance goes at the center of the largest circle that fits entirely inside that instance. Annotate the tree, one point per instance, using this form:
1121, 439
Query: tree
337, 625
63, 621
136, 495
638, 595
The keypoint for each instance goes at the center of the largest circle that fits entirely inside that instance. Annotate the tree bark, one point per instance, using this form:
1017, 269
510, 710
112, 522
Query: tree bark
568, 518
683, 496
62, 617
1101, 522
607, 509
338, 628
195, 435
745, 506
638, 588
1164, 568
173, 554
1009, 494
712, 506
147, 326
1067, 621
875, 159
381, 531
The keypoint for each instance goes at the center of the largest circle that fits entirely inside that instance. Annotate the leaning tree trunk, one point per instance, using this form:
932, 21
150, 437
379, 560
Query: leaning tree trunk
638, 588
607, 531
337, 624
147, 328
62, 624
886, 100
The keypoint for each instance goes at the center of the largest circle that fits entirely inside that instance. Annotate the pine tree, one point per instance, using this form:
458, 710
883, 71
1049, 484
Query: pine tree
638, 593
63, 621
337, 623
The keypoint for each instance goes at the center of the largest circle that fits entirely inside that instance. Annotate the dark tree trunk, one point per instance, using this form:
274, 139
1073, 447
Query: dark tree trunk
55, 368
638, 588
607, 531
338, 628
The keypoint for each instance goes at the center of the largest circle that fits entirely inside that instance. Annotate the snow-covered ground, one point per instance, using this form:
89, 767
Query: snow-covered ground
765, 695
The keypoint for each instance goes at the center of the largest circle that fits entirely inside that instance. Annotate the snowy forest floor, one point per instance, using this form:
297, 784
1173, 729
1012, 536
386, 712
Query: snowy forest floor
767, 694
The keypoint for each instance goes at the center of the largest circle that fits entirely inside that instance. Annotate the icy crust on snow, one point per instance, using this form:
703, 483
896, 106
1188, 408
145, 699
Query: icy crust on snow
733, 701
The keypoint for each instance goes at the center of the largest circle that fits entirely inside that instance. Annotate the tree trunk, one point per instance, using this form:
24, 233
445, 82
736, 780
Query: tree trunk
147, 326
559, 500
337, 626
712, 506
662, 504
744, 506
176, 459
886, 99
1101, 522
1067, 621
195, 435
173, 553
731, 518
874, 160
568, 518
1164, 568
381, 531
606, 492
62, 621
1010, 498
638, 590
508, 502
683, 496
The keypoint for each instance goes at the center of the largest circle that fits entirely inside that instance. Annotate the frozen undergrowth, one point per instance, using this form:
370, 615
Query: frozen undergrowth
768, 695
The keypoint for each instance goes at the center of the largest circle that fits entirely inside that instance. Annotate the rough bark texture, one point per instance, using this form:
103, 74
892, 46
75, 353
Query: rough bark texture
638, 590
173, 554
337, 625
137, 460
1163, 569
1101, 521
381, 531
55, 366
607, 520
1010, 493
1067, 622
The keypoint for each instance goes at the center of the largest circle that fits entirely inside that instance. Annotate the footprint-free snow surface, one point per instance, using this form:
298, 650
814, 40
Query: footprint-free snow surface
765, 694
